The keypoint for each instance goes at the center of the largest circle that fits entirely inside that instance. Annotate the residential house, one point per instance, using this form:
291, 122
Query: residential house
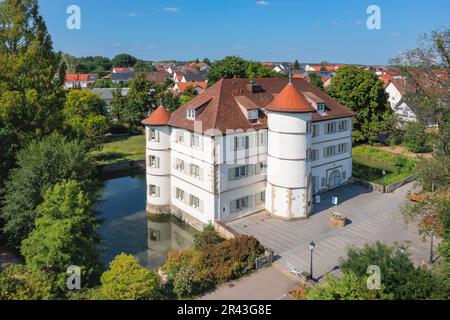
180, 87
118, 77
79, 80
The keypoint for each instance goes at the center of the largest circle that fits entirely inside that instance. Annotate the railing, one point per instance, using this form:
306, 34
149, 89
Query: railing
264, 260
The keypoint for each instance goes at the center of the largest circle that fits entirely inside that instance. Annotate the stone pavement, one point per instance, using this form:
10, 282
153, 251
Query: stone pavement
265, 284
373, 216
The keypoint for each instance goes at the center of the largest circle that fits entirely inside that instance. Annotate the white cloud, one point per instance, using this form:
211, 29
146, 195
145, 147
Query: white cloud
171, 9
262, 3
132, 14
358, 22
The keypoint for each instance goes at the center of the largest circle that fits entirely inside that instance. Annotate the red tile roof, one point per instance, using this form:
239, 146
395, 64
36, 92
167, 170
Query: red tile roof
183, 85
80, 77
290, 100
327, 68
159, 117
218, 109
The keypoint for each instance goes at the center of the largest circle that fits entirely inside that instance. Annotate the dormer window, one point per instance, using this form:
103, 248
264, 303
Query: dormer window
190, 114
321, 107
253, 115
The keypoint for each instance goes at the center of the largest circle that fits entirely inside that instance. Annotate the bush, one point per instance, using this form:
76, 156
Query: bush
415, 137
395, 266
207, 237
231, 258
126, 279
196, 270
18, 283
348, 287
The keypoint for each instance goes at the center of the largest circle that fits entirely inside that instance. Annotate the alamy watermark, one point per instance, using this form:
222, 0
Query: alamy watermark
73, 22
374, 20
74, 280
374, 280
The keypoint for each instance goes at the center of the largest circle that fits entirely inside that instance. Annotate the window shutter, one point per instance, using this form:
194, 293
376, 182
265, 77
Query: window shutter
200, 205
200, 173
231, 176
157, 192
251, 170
157, 162
344, 175
258, 168
233, 206
324, 182
250, 201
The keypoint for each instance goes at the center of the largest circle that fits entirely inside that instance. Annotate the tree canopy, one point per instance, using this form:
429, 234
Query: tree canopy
64, 235
362, 91
123, 61
233, 66
31, 92
85, 113
315, 80
40, 165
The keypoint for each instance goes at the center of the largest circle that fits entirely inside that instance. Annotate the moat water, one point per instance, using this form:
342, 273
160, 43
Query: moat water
128, 228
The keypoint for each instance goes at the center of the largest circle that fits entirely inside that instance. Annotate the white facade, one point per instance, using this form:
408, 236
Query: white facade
204, 178
398, 105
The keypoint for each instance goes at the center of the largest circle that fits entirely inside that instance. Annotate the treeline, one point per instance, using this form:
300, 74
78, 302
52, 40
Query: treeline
103, 65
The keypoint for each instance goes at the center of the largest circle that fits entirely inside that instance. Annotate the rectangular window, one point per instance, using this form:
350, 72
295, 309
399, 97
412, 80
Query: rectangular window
153, 162
308, 127
329, 151
342, 148
321, 107
154, 135
195, 141
179, 165
195, 171
179, 137
253, 115
331, 127
262, 140
194, 201
238, 172
190, 114
242, 203
179, 194
314, 155
323, 182
153, 191
342, 126
308, 154
315, 130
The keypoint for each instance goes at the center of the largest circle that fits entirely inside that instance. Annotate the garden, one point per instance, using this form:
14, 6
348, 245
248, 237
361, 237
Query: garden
369, 163
118, 148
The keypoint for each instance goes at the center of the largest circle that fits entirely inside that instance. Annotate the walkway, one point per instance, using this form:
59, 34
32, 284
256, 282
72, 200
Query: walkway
373, 216
265, 284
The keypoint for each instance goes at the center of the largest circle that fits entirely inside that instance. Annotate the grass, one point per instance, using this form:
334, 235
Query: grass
121, 148
368, 164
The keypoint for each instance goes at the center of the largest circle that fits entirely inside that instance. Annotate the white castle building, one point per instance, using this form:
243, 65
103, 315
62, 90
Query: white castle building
247, 145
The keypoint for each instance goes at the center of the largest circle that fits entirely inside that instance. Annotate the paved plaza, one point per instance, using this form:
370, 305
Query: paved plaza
373, 216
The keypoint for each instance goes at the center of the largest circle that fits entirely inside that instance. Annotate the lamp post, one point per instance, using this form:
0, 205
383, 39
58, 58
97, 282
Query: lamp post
384, 179
431, 233
311, 248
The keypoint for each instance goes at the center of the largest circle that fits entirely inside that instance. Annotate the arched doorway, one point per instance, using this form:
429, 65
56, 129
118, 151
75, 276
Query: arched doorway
334, 180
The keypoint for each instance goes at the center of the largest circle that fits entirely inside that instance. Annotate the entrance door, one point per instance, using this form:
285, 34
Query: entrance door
334, 180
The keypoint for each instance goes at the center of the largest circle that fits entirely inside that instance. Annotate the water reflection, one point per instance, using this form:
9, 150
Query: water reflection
128, 228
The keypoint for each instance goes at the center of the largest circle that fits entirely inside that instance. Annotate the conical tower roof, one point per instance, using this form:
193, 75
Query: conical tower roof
159, 117
290, 100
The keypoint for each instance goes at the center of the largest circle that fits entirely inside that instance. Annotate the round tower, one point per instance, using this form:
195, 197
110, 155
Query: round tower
157, 137
288, 191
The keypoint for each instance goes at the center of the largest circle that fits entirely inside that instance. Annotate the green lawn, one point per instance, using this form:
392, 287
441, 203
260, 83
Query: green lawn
121, 148
368, 164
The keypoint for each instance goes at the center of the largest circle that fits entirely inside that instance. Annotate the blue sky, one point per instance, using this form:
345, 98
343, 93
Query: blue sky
271, 30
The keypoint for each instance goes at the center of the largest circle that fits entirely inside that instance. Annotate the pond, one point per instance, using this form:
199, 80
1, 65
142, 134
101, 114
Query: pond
128, 228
